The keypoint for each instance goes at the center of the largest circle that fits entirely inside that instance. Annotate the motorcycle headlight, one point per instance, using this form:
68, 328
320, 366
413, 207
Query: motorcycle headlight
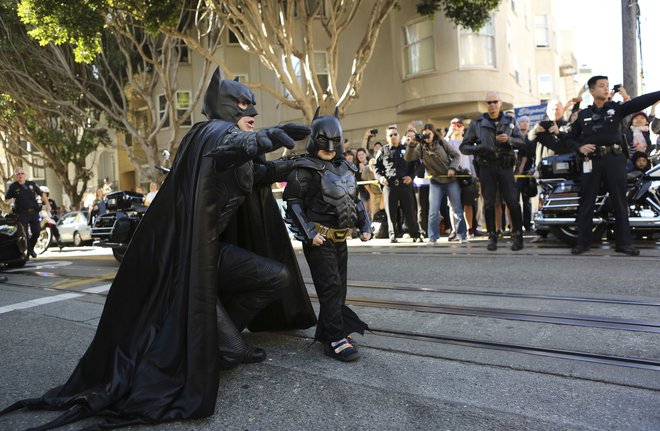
8, 230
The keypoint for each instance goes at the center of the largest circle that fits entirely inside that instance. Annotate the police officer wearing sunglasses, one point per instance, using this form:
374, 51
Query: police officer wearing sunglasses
491, 138
597, 135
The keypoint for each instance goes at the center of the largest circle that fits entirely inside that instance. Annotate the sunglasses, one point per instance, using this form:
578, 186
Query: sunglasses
492, 102
428, 135
393, 134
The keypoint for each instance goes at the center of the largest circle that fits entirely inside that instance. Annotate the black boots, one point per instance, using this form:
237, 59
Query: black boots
517, 241
253, 355
492, 241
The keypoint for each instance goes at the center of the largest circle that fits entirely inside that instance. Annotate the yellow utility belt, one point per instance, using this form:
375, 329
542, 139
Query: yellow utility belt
334, 235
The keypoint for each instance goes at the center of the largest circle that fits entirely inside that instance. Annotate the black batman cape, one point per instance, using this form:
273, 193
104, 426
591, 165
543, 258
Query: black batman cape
154, 355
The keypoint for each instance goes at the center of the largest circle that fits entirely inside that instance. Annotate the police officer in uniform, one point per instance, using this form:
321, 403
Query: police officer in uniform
491, 139
395, 175
24, 196
597, 134
322, 208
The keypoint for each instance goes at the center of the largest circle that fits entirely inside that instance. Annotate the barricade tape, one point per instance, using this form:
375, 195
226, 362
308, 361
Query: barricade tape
374, 182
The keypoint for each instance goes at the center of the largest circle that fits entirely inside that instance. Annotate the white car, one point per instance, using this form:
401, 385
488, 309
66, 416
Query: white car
74, 228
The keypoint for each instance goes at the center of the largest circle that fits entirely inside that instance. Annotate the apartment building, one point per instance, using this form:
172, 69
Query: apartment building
422, 69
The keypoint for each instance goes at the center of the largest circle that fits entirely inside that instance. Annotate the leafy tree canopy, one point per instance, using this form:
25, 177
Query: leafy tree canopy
472, 14
80, 22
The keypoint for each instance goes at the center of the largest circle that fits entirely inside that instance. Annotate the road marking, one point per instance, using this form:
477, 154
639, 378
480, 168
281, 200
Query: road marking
55, 298
98, 289
39, 301
41, 265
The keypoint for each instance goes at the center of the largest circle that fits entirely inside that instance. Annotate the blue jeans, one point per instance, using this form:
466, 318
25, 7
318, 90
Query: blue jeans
436, 194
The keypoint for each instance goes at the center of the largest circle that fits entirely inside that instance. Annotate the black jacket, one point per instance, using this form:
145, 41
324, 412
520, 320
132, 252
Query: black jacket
479, 140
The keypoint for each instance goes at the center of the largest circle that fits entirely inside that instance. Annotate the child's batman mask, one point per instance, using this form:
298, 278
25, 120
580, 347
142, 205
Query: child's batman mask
326, 135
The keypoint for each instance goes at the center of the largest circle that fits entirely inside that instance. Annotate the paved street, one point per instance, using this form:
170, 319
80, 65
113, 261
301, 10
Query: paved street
461, 339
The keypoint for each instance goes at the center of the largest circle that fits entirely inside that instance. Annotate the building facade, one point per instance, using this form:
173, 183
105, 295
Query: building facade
425, 70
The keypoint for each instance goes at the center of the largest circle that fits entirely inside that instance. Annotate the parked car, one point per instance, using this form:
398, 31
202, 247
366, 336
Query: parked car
13, 242
75, 229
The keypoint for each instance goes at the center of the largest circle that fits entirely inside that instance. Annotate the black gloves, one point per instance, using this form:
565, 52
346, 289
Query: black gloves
272, 139
295, 131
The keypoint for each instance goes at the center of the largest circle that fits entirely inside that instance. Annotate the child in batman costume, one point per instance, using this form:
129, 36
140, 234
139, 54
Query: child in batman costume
322, 208
164, 333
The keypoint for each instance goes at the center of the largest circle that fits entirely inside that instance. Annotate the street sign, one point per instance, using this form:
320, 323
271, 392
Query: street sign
535, 113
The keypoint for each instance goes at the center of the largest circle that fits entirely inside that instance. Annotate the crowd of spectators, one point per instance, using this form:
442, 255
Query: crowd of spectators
420, 171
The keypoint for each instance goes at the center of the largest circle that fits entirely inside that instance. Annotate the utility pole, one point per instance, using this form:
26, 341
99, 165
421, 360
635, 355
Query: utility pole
629, 13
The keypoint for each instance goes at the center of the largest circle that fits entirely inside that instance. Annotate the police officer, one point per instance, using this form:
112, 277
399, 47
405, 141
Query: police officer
597, 134
491, 138
396, 177
24, 196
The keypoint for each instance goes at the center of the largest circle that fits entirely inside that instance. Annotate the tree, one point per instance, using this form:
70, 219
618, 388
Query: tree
267, 28
131, 59
43, 120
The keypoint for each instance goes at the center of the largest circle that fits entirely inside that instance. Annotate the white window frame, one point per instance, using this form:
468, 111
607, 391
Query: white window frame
540, 27
412, 49
484, 37
181, 110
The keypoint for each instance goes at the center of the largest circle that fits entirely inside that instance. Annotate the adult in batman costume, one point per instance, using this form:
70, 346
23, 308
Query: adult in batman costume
322, 208
165, 332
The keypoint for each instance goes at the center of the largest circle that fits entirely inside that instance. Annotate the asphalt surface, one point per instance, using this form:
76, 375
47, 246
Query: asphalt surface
441, 354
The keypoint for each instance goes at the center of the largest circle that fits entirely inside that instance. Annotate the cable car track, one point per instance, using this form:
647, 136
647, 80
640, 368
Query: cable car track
511, 314
646, 364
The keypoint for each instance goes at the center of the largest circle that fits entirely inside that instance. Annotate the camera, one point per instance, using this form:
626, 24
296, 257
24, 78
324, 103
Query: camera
546, 124
373, 132
616, 88
419, 137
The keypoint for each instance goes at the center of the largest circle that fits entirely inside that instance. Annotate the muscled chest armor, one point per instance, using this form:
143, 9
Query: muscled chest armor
338, 193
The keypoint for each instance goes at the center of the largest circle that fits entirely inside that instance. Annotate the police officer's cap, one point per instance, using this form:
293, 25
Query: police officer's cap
591, 83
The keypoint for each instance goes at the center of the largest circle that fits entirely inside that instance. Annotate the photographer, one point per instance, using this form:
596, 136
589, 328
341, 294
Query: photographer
441, 161
491, 138
366, 141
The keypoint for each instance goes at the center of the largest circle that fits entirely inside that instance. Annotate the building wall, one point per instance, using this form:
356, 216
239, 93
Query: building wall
389, 96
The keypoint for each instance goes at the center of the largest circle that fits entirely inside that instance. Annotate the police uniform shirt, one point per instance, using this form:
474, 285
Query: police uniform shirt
393, 164
602, 126
25, 195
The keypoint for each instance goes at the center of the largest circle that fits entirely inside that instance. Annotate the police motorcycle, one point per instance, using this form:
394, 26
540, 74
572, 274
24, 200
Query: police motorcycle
115, 228
559, 178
